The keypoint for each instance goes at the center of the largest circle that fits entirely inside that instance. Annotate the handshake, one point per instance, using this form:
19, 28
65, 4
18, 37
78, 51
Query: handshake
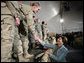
37, 38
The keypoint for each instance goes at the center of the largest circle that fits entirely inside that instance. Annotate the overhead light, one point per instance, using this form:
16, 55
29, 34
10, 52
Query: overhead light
61, 20
54, 11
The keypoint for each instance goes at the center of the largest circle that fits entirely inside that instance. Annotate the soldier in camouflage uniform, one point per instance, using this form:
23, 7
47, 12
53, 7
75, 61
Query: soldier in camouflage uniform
18, 49
17, 43
43, 27
30, 36
50, 40
28, 11
23, 30
8, 20
38, 28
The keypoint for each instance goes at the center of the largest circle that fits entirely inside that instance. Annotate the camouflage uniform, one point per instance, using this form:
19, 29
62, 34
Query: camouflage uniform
46, 57
21, 47
38, 29
23, 30
17, 45
27, 10
7, 31
43, 26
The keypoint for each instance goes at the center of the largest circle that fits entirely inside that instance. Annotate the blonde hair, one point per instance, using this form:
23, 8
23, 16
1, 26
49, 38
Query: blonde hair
35, 4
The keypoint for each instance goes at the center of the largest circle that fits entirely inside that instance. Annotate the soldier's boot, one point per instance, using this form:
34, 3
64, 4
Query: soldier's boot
22, 59
27, 55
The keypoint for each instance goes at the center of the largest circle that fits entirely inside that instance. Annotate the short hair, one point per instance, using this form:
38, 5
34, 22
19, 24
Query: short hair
43, 22
64, 39
35, 4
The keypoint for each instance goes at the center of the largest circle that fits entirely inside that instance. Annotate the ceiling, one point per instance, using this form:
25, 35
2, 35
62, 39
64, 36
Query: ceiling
49, 13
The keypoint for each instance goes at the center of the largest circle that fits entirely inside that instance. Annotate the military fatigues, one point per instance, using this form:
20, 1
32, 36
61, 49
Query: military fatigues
30, 22
46, 57
38, 29
7, 31
23, 30
21, 34
17, 45
43, 27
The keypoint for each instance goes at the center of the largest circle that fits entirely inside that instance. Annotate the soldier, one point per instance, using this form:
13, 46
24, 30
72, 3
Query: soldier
52, 41
43, 27
30, 36
23, 30
18, 49
38, 27
9, 19
28, 11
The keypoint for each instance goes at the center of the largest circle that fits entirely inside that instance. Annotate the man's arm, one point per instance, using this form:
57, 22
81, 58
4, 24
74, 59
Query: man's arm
43, 43
29, 17
11, 8
13, 11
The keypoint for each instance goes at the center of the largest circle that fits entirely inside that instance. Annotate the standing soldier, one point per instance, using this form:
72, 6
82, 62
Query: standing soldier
43, 27
17, 45
52, 41
23, 31
30, 36
38, 27
9, 19
18, 49
28, 11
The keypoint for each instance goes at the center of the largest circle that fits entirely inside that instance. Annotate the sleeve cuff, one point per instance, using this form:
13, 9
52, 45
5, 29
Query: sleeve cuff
43, 43
51, 54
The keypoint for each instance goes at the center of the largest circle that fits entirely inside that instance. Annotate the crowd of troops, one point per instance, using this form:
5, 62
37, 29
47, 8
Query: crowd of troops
19, 27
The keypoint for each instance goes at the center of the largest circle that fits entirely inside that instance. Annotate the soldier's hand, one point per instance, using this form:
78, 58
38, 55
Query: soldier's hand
17, 21
37, 38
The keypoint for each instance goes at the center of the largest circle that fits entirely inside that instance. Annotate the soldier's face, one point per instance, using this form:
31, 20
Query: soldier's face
36, 9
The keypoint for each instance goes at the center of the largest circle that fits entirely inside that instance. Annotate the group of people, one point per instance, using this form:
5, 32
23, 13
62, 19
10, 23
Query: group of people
19, 28
71, 36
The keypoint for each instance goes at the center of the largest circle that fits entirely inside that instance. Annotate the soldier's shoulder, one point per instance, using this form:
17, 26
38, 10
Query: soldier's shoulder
26, 6
15, 3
